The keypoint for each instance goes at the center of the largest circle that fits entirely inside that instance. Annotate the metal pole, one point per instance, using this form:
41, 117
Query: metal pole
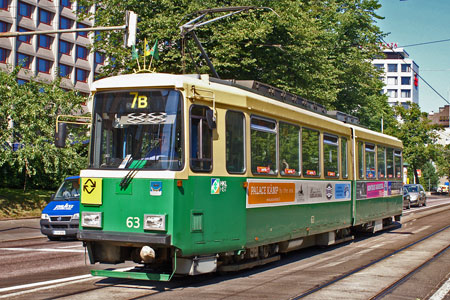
13, 34
199, 45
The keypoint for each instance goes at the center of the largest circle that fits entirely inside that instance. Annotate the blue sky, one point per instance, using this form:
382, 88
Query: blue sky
418, 21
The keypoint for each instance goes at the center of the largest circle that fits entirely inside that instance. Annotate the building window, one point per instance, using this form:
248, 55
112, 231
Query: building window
82, 33
3, 55
4, 27
22, 81
235, 142
24, 38
45, 16
392, 80
406, 80
99, 58
81, 75
66, 3
65, 71
44, 41
379, 67
23, 60
406, 68
44, 65
392, 93
392, 67
65, 47
406, 93
4, 4
25, 9
82, 52
65, 23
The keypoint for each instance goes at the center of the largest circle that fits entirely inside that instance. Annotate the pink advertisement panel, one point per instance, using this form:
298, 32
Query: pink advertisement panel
375, 189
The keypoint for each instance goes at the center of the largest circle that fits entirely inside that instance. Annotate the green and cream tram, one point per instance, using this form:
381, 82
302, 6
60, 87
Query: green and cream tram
190, 174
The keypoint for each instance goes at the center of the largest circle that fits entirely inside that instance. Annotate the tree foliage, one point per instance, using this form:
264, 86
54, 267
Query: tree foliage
28, 112
418, 135
318, 49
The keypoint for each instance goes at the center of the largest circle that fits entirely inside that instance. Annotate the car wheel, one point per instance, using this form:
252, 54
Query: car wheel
425, 203
409, 205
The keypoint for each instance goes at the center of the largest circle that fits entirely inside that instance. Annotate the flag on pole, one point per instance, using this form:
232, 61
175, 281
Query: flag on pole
134, 53
146, 48
154, 52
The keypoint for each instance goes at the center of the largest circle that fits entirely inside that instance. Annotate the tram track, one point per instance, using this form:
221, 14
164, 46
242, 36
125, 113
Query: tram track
392, 286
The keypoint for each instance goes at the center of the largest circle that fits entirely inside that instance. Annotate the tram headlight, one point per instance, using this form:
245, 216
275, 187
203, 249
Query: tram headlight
91, 219
155, 222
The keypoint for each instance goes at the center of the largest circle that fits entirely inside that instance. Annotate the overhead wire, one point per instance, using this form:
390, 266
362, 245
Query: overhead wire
417, 74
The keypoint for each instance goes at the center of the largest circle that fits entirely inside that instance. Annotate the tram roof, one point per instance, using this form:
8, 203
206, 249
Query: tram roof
145, 80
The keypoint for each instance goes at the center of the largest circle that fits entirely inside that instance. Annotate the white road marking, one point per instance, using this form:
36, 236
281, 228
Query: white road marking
421, 229
45, 285
442, 291
43, 250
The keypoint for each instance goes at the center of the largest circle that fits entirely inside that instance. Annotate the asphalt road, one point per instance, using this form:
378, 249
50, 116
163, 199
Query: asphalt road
33, 267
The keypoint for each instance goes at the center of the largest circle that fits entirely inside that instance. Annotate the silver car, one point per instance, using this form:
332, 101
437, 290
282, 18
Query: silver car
417, 194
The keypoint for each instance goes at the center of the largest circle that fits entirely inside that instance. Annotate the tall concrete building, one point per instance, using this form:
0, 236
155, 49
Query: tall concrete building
400, 76
49, 55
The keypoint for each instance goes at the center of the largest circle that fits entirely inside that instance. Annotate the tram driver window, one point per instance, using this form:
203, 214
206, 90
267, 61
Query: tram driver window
263, 146
235, 142
310, 152
288, 141
330, 155
201, 140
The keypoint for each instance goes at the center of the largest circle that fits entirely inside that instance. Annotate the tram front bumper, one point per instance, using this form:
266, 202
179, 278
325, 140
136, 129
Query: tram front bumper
124, 238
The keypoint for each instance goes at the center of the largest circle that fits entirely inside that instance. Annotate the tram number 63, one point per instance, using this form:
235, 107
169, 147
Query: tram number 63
133, 222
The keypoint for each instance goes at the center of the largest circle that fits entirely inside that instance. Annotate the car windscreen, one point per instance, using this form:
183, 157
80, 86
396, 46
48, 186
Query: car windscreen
69, 190
413, 189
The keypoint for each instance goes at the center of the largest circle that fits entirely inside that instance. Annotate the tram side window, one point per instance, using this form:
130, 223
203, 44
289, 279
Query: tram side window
235, 142
310, 152
370, 161
263, 145
361, 159
390, 162
330, 155
289, 149
381, 162
398, 164
201, 140
344, 158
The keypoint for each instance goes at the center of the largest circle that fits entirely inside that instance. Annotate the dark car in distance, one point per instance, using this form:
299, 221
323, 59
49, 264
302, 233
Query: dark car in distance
406, 199
417, 194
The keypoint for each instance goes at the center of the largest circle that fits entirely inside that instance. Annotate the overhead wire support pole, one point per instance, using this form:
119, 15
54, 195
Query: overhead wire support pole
14, 34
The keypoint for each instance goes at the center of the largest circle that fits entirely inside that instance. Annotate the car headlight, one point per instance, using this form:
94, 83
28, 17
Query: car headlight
45, 217
76, 216
91, 219
155, 222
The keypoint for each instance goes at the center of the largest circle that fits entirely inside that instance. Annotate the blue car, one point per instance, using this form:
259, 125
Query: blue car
61, 216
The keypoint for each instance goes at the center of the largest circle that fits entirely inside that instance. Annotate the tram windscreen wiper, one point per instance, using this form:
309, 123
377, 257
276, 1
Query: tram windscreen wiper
135, 165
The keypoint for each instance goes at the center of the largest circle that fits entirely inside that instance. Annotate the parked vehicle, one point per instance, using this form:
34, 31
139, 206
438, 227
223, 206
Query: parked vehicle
60, 217
406, 199
442, 189
418, 197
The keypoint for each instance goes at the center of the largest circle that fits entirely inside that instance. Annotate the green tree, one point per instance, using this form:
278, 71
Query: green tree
418, 135
429, 178
28, 112
320, 50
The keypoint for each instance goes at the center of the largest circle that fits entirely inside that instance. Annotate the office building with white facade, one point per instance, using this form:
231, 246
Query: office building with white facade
47, 55
400, 76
